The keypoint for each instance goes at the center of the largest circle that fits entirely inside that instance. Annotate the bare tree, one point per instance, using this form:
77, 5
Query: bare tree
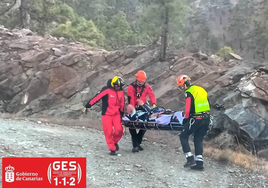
14, 6
25, 17
164, 35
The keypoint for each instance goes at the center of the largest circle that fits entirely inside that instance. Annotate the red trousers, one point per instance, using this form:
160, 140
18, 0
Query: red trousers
113, 130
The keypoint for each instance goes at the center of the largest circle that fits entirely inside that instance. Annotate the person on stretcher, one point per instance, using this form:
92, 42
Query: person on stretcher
146, 116
140, 115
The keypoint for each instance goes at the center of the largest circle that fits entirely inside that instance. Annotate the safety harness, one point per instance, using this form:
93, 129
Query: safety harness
134, 84
203, 115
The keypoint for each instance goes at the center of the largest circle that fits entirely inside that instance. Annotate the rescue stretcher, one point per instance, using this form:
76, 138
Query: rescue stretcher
151, 125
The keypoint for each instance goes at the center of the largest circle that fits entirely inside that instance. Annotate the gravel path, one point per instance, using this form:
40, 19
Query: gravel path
156, 166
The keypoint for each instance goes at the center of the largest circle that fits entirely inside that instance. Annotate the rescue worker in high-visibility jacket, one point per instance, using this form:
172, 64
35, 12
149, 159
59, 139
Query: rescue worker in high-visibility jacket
196, 121
139, 90
113, 102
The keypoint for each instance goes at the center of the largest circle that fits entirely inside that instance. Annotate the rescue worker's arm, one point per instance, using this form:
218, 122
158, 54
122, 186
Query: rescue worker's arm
133, 117
144, 105
96, 98
131, 95
151, 94
187, 108
122, 104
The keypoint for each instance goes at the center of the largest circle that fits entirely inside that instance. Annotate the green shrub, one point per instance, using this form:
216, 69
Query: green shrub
224, 52
81, 30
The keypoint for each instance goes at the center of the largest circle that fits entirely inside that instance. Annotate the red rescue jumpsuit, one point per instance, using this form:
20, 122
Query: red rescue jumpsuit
112, 106
135, 92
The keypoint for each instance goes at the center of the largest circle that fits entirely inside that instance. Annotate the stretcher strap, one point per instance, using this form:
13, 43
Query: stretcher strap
150, 125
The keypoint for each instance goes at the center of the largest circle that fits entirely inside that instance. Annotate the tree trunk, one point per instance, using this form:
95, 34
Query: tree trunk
164, 36
25, 17
16, 5
263, 51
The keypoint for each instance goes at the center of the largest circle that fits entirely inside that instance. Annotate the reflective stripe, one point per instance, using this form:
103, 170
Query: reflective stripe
203, 104
199, 158
200, 98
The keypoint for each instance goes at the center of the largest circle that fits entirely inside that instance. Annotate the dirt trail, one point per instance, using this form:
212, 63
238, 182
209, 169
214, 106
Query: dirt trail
156, 166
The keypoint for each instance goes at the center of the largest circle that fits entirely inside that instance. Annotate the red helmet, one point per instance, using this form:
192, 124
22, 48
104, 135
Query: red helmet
141, 76
182, 79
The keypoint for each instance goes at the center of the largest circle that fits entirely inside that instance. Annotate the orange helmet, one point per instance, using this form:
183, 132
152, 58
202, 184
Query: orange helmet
141, 76
182, 79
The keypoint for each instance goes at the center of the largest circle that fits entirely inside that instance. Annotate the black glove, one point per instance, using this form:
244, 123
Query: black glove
88, 105
121, 113
185, 122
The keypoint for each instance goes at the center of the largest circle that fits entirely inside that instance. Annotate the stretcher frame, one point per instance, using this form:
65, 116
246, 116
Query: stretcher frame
172, 126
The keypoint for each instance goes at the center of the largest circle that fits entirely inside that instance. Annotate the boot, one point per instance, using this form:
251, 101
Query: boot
190, 162
140, 148
199, 166
112, 153
136, 149
117, 147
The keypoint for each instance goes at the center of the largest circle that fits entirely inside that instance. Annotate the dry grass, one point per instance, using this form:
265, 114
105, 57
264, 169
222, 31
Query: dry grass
239, 158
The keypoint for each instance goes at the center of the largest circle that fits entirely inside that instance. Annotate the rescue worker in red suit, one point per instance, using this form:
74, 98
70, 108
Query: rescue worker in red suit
196, 121
139, 90
113, 102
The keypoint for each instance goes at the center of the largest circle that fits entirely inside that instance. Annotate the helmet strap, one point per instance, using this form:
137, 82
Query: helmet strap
187, 83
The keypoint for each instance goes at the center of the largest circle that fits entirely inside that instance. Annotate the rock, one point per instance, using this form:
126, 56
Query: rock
31, 58
9, 33
130, 53
98, 59
263, 154
127, 61
19, 46
57, 52
59, 76
216, 59
261, 84
223, 81
224, 141
236, 56
231, 64
111, 57
71, 58
138, 165
201, 56
25, 32
142, 60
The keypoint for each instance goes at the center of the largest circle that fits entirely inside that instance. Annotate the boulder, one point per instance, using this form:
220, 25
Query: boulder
57, 52
263, 154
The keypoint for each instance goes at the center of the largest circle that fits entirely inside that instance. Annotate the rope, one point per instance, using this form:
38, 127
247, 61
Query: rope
192, 121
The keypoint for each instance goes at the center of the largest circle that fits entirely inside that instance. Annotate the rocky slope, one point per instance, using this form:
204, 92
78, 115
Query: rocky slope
46, 76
